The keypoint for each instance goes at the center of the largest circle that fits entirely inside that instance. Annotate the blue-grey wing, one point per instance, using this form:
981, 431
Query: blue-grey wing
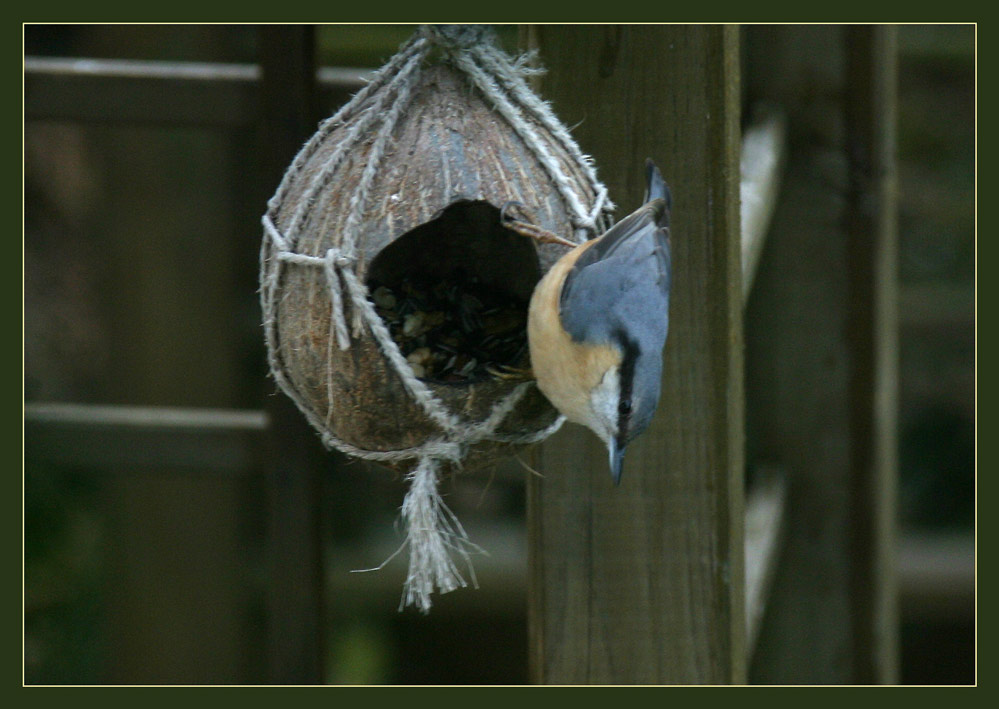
622, 281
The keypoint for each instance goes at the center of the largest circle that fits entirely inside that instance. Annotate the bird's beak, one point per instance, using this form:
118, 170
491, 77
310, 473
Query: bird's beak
616, 460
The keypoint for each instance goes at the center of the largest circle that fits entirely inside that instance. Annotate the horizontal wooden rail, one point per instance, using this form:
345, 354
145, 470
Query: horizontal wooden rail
763, 149
937, 575
116, 438
155, 92
931, 307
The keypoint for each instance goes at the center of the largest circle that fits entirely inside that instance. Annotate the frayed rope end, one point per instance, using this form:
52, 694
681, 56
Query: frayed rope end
433, 535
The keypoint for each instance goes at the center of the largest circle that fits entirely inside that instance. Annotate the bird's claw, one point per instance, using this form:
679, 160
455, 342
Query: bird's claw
502, 371
524, 227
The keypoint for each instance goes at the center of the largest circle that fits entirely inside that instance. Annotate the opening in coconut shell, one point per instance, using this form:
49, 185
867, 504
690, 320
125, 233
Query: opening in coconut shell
454, 293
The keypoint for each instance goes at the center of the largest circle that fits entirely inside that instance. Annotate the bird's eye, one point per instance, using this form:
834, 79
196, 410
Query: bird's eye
624, 407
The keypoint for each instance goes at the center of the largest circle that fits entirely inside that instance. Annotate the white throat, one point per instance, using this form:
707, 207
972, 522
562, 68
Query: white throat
602, 413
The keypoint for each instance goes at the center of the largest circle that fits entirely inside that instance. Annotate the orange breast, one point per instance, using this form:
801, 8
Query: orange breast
566, 371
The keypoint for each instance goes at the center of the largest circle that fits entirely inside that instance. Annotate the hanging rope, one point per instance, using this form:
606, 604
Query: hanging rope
433, 532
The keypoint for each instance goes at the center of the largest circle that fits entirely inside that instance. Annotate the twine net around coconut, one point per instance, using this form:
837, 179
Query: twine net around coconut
434, 536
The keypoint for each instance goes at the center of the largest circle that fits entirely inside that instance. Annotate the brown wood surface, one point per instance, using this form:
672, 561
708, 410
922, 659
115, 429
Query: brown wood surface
819, 380
643, 583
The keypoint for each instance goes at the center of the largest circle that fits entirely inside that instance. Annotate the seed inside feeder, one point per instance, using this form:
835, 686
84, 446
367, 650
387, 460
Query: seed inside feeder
454, 293
454, 330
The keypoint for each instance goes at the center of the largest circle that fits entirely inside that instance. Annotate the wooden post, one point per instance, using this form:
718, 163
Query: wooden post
643, 583
871, 78
295, 579
820, 350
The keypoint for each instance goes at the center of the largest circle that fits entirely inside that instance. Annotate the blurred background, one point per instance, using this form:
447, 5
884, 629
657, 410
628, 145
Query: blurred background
140, 265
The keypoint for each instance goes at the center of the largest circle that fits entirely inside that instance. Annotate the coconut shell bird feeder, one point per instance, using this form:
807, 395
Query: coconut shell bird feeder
395, 282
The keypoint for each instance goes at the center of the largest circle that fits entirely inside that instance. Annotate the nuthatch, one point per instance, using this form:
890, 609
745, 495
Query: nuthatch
597, 325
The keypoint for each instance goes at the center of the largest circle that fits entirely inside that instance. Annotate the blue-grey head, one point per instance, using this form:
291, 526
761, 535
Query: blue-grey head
623, 403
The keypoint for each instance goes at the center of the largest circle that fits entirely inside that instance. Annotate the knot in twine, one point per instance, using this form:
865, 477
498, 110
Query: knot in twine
457, 37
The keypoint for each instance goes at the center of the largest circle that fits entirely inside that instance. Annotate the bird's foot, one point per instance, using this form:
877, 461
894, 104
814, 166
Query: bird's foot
507, 373
524, 227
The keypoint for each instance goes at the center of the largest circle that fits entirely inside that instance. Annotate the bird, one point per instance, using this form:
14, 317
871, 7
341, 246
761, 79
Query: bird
598, 320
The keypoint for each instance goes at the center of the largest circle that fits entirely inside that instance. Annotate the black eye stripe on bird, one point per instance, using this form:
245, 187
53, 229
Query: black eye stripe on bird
626, 385
598, 321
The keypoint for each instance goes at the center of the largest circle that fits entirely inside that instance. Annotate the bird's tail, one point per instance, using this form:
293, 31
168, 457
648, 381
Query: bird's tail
656, 187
